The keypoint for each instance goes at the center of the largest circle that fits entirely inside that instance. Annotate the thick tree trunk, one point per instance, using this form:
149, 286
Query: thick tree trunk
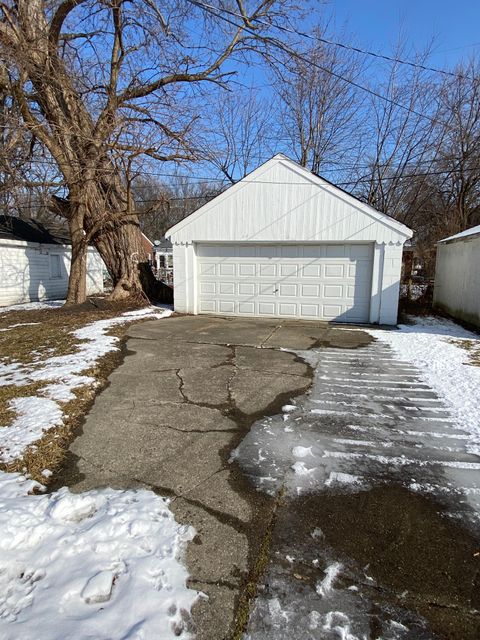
77, 282
125, 257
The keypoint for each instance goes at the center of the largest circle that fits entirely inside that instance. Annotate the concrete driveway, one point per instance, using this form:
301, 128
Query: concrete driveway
310, 528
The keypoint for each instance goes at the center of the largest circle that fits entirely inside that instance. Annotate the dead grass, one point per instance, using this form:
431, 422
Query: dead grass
473, 348
52, 336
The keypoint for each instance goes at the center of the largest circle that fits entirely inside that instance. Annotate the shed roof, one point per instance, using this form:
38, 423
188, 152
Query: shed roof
283, 201
164, 244
468, 233
30, 230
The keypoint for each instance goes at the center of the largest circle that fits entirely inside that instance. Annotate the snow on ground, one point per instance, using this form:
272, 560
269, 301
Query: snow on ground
34, 415
444, 366
61, 374
102, 564
33, 306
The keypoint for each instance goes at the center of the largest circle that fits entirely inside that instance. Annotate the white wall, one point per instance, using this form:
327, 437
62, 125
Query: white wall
387, 264
457, 279
282, 202
28, 272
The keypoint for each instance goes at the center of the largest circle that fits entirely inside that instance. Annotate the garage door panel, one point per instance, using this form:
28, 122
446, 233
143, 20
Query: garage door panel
207, 306
329, 282
207, 269
288, 269
267, 289
266, 308
332, 311
246, 270
227, 288
226, 269
207, 288
267, 270
309, 310
226, 306
246, 289
288, 290
334, 270
335, 251
310, 290
288, 309
311, 271
246, 308
332, 291
266, 251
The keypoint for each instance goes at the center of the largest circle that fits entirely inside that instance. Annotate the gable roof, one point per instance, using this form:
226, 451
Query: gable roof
468, 233
30, 230
306, 177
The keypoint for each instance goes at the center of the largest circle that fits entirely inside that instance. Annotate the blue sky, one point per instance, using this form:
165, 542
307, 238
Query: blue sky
376, 24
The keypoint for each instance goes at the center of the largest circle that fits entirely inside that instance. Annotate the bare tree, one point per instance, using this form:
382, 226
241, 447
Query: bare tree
319, 113
100, 83
458, 185
239, 133
403, 141
160, 205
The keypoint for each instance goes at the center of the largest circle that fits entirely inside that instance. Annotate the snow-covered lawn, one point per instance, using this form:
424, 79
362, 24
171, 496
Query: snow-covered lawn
61, 375
433, 345
102, 564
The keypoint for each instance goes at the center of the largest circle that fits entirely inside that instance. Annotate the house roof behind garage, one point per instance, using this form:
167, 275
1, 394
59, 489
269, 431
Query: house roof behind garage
30, 230
468, 233
281, 201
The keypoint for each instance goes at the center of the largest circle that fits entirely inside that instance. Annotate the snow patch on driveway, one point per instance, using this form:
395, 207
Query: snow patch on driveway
443, 365
101, 564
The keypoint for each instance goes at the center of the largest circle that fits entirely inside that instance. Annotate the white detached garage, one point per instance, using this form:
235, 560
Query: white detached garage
283, 242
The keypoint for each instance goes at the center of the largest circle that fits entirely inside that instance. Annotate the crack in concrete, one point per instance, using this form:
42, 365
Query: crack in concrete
181, 385
197, 584
274, 330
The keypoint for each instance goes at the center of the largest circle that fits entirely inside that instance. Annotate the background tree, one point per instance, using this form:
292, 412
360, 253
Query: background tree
100, 83
318, 114
239, 133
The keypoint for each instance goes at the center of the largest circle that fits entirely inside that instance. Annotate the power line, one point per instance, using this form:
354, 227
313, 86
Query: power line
261, 159
280, 45
209, 196
342, 45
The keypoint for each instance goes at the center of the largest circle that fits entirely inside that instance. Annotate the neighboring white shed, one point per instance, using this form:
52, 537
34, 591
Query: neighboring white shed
457, 276
284, 242
35, 263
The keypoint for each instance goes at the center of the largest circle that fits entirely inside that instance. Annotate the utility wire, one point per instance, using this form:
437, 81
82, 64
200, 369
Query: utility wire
342, 45
208, 196
280, 45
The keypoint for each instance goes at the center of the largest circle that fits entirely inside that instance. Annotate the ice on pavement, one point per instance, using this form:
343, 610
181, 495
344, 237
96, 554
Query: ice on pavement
331, 574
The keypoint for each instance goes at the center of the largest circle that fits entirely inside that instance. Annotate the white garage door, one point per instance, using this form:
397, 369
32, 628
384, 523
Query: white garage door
326, 282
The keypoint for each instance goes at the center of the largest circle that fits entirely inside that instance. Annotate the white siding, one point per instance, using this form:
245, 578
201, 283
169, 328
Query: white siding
29, 273
320, 282
281, 202
95, 272
457, 279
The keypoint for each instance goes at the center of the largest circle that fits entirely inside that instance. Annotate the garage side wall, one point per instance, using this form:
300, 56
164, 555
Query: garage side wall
457, 279
184, 269
390, 288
